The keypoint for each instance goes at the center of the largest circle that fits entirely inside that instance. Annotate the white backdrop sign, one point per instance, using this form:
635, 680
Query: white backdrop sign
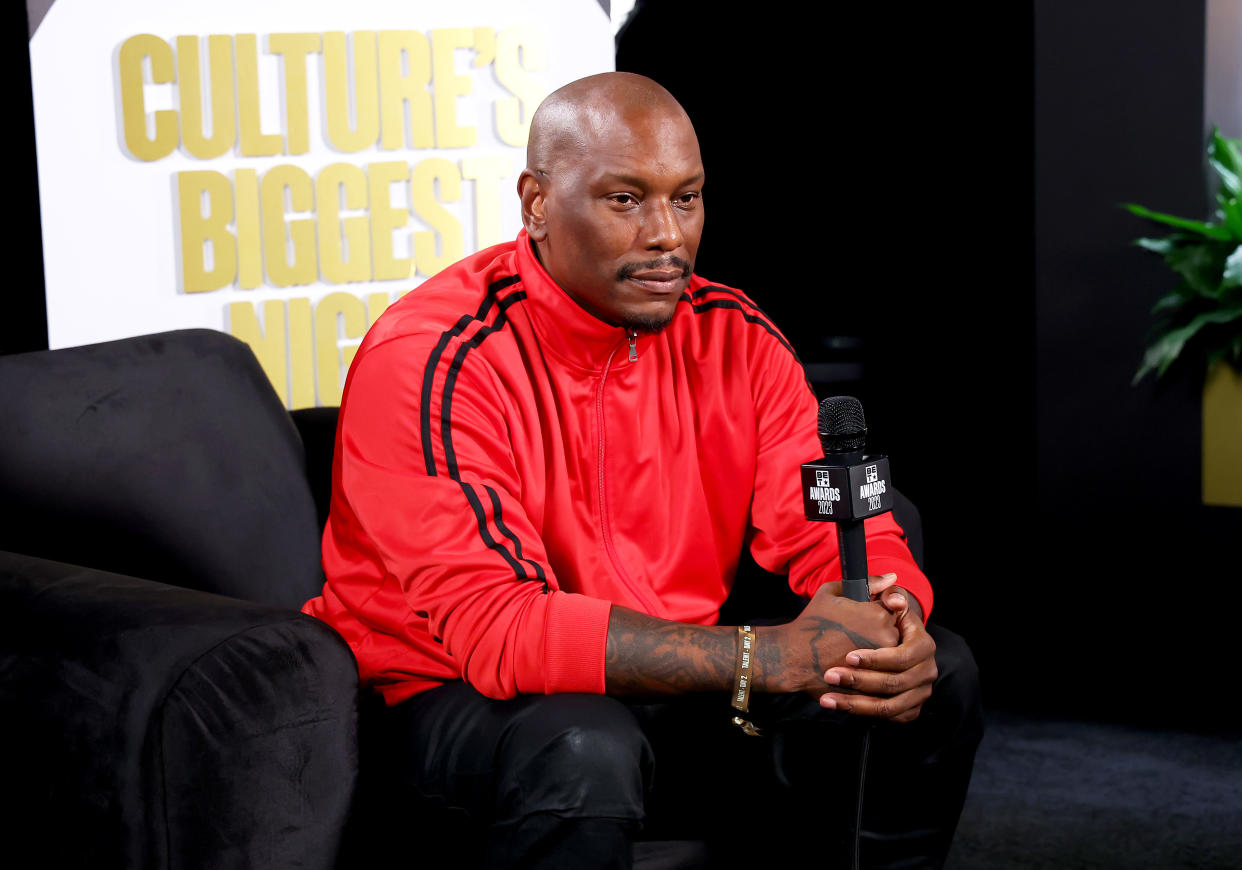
283, 171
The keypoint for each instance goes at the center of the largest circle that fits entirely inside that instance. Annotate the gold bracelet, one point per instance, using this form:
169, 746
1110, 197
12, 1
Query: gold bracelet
742, 679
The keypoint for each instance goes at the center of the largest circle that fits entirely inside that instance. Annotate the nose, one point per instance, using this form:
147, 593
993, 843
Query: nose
662, 227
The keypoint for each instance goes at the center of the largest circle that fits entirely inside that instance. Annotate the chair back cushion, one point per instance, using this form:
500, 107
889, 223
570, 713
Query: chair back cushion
164, 456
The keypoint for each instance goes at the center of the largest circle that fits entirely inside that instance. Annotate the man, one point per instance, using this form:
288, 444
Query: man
549, 459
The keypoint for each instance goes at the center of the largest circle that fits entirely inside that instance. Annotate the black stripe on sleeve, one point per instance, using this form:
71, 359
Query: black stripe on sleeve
433, 362
741, 297
450, 455
517, 543
429, 373
481, 518
450, 381
761, 319
700, 307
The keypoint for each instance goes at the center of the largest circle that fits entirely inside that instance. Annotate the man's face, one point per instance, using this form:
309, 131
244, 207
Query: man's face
617, 223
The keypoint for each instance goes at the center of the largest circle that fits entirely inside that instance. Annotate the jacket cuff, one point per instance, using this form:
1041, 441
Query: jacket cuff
575, 638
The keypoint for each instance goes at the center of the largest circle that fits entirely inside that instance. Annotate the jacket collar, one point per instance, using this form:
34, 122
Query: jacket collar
569, 330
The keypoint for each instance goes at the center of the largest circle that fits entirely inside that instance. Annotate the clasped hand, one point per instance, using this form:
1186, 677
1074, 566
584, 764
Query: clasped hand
868, 658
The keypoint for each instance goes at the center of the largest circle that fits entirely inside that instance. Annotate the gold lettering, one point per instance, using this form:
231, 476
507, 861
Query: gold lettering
294, 48
385, 219
486, 173
398, 90
133, 107
423, 183
449, 86
355, 265
301, 355
334, 311
519, 52
377, 303
249, 230
254, 142
484, 47
198, 230
288, 247
267, 343
220, 79
365, 130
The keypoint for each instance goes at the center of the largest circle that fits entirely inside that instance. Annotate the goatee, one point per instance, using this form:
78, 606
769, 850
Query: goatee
647, 325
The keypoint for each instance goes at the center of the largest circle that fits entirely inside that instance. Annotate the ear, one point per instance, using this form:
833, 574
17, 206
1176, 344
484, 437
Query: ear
531, 192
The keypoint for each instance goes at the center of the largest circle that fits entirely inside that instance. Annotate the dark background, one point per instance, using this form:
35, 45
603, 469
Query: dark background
940, 189
944, 185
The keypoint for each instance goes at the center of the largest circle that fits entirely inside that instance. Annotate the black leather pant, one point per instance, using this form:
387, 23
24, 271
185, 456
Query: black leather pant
571, 780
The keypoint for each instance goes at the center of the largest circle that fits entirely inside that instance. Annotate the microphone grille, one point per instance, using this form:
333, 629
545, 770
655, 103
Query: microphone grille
842, 426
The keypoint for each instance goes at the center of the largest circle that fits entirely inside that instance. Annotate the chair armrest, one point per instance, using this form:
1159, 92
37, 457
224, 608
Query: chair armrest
148, 725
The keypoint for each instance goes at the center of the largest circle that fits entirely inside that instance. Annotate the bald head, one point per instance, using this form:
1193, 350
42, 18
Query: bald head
575, 118
612, 197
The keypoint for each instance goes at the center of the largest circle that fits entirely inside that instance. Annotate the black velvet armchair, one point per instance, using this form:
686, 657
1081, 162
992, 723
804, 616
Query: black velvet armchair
162, 702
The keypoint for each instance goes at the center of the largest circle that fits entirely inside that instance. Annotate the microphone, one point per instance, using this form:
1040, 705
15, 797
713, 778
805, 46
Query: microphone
846, 487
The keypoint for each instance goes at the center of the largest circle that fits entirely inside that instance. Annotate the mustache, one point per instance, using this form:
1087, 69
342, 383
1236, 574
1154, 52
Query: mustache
629, 270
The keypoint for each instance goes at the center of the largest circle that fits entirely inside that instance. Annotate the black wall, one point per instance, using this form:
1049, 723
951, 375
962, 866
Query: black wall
1119, 118
869, 175
958, 211
23, 324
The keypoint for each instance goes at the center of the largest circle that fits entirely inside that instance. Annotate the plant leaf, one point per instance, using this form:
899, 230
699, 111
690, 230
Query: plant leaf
1230, 297
1212, 231
1157, 246
1157, 357
1201, 265
1225, 158
1172, 301
1163, 352
1204, 310
1231, 212
1167, 243
1232, 274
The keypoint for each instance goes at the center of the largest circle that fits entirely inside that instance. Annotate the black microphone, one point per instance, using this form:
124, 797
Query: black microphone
846, 487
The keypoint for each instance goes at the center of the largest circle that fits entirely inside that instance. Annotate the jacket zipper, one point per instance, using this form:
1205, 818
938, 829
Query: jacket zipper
606, 526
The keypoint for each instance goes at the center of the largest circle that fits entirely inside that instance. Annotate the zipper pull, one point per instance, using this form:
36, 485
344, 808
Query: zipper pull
633, 345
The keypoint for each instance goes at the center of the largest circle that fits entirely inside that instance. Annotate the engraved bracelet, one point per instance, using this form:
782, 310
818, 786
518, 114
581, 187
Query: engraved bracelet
742, 679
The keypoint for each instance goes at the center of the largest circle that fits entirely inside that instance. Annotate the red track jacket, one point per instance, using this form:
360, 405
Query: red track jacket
508, 466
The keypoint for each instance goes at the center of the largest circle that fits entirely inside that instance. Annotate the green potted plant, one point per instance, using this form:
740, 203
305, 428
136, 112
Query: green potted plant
1202, 316
1200, 319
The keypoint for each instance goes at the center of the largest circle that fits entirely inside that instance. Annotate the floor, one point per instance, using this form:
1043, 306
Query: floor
1055, 793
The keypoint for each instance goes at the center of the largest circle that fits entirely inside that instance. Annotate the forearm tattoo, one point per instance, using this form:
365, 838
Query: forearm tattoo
647, 656
651, 657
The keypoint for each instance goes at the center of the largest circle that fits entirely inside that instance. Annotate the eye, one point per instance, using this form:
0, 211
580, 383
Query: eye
688, 200
624, 200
